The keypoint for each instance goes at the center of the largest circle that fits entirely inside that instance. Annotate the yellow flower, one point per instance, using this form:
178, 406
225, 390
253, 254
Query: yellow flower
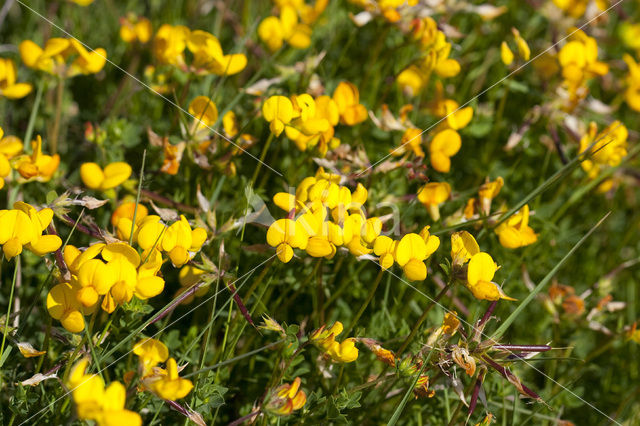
94, 402
63, 305
52, 59
630, 34
179, 241
347, 98
463, 247
523, 48
285, 235
285, 399
169, 44
151, 352
506, 54
37, 166
410, 254
412, 80
170, 386
278, 111
385, 247
481, 270
135, 28
432, 195
40, 220
609, 147
208, 56
274, 31
82, 2
188, 276
444, 145
632, 93
22, 227
325, 340
8, 86
487, 192
230, 124
411, 141
126, 211
204, 111
113, 175
515, 231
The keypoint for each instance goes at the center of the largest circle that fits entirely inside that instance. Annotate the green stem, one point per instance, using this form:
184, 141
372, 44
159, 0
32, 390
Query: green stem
262, 156
56, 124
34, 112
135, 210
6, 322
372, 292
418, 323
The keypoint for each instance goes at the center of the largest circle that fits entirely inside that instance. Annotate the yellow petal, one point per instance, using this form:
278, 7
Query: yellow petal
481, 268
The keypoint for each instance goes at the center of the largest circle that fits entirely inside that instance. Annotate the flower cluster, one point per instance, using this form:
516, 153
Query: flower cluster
164, 382
315, 230
293, 26
64, 57
325, 340
114, 272
22, 227
480, 270
435, 58
37, 166
409, 253
605, 149
105, 406
207, 57
310, 122
178, 241
135, 28
579, 61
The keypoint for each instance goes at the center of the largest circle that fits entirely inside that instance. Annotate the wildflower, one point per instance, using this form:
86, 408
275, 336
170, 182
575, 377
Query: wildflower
285, 235
188, 276
487, 192
515, 231
204, 111
506, 54
325, 340
180, 241
481, 270
63, 305
126, 210
37, 166
22, 227
278, 111
151, 352
523, 48
8, 86
432, 195
274, 31
94, 402
579, 61
208, 56
286, 399
385, 247
10, 146
411, 141
114, 174
444, 145
463, 247
347, 98
632, 92
135, 28
169, 44
52, 58
410, 254
169, 385
609, 147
